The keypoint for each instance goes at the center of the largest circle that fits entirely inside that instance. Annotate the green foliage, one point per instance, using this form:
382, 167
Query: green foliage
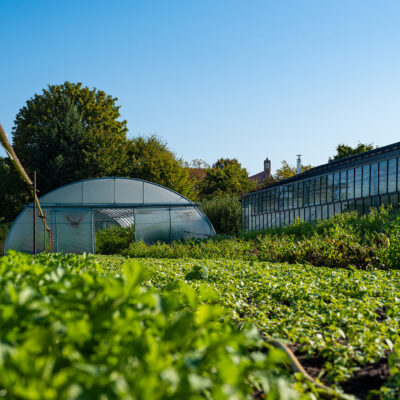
343, 151
346, 318
70, 132
198, 272
226, 177
14, 193
70, 330
150, 159
287, 171
114, 239
366, 242
225, 213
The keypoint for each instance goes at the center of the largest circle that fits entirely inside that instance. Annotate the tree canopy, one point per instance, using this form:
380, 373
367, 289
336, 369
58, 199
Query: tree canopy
149, 158
70, 132
287, 171
343, 151
227, 176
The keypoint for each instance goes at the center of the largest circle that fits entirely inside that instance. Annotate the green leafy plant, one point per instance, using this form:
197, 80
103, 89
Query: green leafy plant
114, 239
345, 318
72, 330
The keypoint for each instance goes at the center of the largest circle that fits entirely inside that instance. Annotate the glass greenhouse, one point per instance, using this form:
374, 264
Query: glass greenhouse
355, 183
76, 211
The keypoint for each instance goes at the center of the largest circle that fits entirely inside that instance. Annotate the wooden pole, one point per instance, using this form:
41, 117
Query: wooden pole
45, 234
34, 213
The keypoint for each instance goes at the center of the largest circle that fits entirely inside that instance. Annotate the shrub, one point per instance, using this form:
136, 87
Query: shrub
114, 239
225, 213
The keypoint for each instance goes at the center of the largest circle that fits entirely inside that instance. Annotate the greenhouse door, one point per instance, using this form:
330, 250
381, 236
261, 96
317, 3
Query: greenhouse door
73, 230
152, 225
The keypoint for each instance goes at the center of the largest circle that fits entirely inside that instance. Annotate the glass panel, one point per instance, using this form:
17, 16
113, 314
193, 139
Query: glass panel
365, 181
276, 199
323, 189
383, 177
307, 214
153, 224
374, 180
300, 195
306, 193
357, 182
375, 201
301, 214
285, 197
331, 210
385, 199
282, 217
350, 184
367, 205
398, 174
394, 201
324, 211
188, 222
290, 196
359, 206
20, 236
99, 191
155, 194
311, 191
343, 185
318, 212
312, 214
338, 208
74, 231
317, 190
336, 186
265, 204
128, 191
329, 193
70, 194
295, 195
392, 175
345, 206
281, 197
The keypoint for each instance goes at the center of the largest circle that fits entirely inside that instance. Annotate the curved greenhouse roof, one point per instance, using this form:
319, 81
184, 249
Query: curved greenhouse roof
76, 211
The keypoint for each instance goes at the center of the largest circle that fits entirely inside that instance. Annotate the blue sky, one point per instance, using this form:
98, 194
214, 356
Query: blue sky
218, 78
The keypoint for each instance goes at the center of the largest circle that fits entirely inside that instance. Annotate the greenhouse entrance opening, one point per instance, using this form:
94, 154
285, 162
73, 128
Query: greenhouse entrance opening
77, 211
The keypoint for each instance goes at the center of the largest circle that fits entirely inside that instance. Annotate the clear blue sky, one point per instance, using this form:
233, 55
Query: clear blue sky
245, 79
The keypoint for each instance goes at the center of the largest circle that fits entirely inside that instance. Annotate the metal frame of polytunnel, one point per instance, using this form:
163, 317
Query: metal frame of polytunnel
77, 210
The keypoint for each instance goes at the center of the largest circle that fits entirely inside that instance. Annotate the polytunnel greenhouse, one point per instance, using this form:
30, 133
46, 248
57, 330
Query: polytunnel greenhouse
75, 212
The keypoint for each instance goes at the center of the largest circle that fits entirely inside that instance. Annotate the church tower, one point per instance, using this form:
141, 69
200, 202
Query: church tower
267, 168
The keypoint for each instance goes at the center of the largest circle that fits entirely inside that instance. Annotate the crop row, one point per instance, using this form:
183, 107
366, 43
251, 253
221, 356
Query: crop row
370, 241
349, 319
71, 330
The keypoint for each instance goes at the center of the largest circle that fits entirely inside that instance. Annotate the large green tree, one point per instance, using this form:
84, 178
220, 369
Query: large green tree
149, 158
70, 132
343, 151
227, 176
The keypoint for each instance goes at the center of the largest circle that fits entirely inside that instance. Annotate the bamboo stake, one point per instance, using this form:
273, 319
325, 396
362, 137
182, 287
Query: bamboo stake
18, 166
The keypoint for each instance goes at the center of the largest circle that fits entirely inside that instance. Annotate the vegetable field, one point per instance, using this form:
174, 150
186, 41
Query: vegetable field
70, 330
343, 324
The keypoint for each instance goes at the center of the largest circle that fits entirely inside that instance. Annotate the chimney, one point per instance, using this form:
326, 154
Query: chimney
298, 169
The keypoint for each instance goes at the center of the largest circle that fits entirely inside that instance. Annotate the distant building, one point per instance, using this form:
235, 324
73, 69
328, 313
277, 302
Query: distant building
355, 183
262, 176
